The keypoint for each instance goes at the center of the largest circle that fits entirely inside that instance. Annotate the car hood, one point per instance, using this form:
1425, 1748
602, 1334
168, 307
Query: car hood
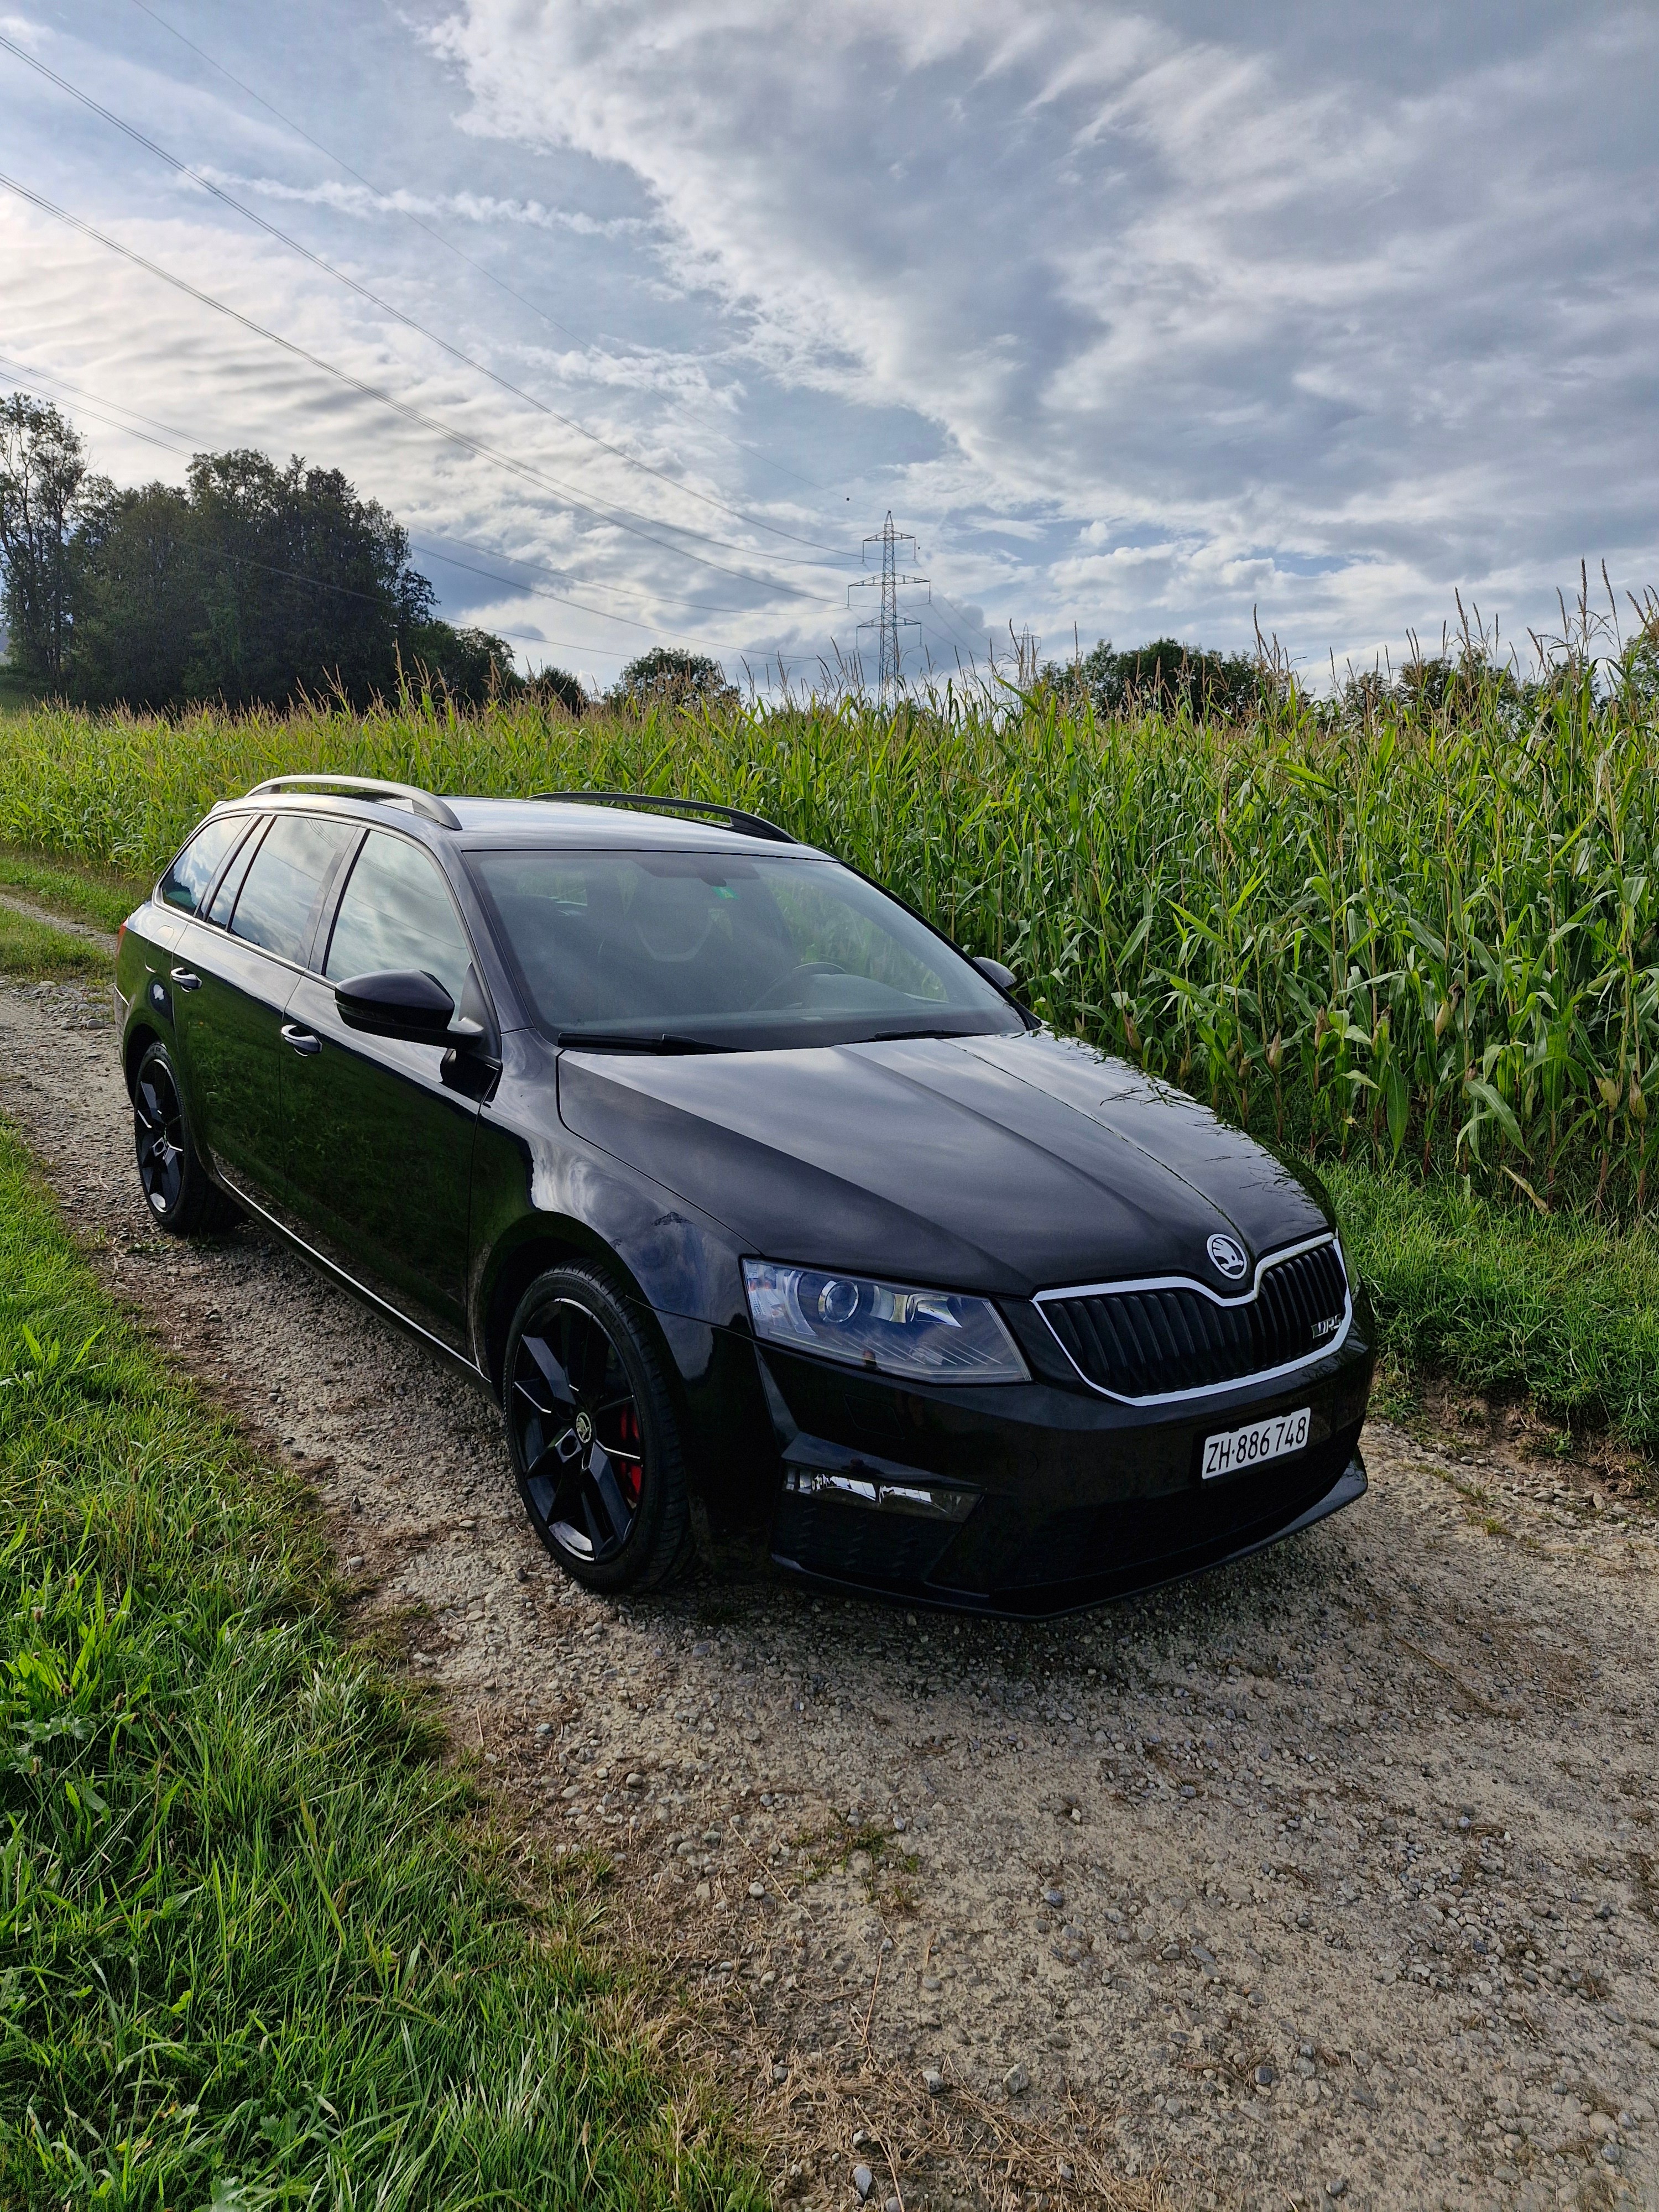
1006, 1163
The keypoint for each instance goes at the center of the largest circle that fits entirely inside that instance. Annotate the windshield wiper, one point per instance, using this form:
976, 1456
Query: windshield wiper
636, 1041
905, 1036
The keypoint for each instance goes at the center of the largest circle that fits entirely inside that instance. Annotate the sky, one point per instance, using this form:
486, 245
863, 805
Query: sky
643, 314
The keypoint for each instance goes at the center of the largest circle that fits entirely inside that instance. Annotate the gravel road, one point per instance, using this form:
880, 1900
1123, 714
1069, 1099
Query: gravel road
1330, 1877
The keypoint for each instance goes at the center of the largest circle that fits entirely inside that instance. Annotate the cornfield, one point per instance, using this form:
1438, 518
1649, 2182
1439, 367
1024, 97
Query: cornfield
1413, 933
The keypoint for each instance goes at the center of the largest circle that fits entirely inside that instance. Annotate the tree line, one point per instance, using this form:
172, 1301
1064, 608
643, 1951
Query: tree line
250, 584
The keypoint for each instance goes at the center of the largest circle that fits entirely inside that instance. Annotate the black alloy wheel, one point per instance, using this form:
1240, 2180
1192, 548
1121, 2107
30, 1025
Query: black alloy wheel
176, 1186
595, 1446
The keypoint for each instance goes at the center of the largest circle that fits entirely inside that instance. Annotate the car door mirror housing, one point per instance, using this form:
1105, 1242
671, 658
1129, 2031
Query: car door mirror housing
398, 1002
995, 972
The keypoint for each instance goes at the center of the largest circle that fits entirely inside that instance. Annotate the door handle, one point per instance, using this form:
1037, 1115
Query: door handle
185, 979
302, 1040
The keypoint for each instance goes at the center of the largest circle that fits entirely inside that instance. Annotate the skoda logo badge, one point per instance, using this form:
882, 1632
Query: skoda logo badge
1228, 1255
585, 1427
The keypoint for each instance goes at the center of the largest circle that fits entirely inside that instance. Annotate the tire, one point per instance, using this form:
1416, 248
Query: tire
593, 1436
176, 1186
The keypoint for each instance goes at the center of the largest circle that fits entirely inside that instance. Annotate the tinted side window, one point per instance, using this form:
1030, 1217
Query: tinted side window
286, 880
224, 899
397, 912
185, 883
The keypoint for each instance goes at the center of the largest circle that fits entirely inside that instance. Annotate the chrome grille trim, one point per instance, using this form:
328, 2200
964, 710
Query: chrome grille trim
1072, 1294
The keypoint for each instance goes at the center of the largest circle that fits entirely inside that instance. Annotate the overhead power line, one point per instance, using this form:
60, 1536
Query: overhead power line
410, 322
357, 175
172, 439
385, 398
767, 460
169, 442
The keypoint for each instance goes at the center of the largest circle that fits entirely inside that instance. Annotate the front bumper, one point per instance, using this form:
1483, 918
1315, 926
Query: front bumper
1035, 1499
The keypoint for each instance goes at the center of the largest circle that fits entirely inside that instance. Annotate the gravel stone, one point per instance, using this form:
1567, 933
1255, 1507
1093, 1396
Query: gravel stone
1474, 1642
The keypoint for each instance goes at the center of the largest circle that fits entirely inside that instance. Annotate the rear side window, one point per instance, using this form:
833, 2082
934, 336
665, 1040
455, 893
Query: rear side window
279, 899
186, 882
396, 913
224, 899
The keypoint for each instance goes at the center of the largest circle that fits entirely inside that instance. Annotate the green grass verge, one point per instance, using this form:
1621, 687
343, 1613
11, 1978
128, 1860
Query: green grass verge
31, 951
1563, 1310
88, 893
255, 1947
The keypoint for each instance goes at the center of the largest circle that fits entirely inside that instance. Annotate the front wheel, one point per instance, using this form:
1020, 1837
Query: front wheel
176, 1190
595, 1444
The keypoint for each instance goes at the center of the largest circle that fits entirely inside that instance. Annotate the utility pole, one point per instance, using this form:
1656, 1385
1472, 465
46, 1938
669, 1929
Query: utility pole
889, 622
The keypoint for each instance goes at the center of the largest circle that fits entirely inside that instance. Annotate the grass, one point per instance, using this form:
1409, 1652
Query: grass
32, 950
256, 1946
1563, 1310
85, 894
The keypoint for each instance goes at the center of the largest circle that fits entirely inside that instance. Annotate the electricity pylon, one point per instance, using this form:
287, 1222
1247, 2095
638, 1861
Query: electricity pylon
889, 622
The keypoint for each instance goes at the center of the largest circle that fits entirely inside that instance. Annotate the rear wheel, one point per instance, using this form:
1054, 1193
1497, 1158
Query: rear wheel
176, 1186
595, 1445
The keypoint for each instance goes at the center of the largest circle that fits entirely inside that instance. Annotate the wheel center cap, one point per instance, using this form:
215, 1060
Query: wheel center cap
585, 1428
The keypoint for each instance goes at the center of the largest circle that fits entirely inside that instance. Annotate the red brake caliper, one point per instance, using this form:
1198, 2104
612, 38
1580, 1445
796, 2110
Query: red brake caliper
632, 1470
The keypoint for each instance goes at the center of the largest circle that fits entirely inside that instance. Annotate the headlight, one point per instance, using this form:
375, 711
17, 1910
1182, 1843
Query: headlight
930, 1336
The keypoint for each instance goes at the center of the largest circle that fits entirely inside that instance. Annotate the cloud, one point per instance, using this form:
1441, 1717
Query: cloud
1140, 317
467, 207
1382, 315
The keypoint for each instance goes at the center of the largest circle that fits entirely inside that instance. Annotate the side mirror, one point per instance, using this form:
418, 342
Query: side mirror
397, 1002
995, 972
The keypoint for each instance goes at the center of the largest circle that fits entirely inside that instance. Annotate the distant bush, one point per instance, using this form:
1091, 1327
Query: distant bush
470, 665
663, 677
1166, 677
557, 687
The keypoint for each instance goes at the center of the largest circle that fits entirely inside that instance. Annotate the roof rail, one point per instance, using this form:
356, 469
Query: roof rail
368, 786
747, 825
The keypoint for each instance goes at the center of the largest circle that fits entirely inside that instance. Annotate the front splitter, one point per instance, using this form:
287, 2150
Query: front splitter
1053, 1601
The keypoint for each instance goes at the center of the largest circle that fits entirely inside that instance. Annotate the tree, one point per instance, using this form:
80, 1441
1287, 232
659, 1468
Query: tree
253, 584
137, 589
665, 677
557, 687
304, 585
471, 665
43, 473
1167, 675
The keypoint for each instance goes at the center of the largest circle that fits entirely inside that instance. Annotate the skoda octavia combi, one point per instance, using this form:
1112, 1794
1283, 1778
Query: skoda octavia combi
762, 1211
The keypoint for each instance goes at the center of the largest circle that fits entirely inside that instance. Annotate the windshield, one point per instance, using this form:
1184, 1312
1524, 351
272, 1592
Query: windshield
706, 950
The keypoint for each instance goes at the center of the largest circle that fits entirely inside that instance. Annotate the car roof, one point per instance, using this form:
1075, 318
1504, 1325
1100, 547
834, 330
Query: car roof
515, 824
576, 827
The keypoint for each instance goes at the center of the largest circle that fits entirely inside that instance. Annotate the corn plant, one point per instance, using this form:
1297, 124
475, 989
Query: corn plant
1423, 932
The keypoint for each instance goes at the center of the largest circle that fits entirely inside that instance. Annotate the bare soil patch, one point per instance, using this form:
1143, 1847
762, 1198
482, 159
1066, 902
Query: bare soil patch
1328, 1877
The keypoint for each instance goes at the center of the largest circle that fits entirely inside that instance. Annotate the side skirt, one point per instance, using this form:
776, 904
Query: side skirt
326, 1267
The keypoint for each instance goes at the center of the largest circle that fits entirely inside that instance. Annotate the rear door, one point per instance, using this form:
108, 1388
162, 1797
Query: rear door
379, 1134
233, 973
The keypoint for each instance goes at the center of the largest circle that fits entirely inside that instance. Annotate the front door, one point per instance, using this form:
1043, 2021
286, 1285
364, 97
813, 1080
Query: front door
379, 1146
231, 976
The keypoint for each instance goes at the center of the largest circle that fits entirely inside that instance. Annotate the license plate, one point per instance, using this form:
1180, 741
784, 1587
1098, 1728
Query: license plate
1259, 1441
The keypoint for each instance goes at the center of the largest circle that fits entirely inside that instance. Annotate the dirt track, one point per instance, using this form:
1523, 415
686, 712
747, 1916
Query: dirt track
1333, 1872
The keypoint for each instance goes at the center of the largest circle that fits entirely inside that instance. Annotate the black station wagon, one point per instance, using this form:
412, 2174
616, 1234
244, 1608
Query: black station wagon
764, 1215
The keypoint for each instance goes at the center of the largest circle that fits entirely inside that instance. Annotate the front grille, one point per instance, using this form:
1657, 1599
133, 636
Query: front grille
1155, 1343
